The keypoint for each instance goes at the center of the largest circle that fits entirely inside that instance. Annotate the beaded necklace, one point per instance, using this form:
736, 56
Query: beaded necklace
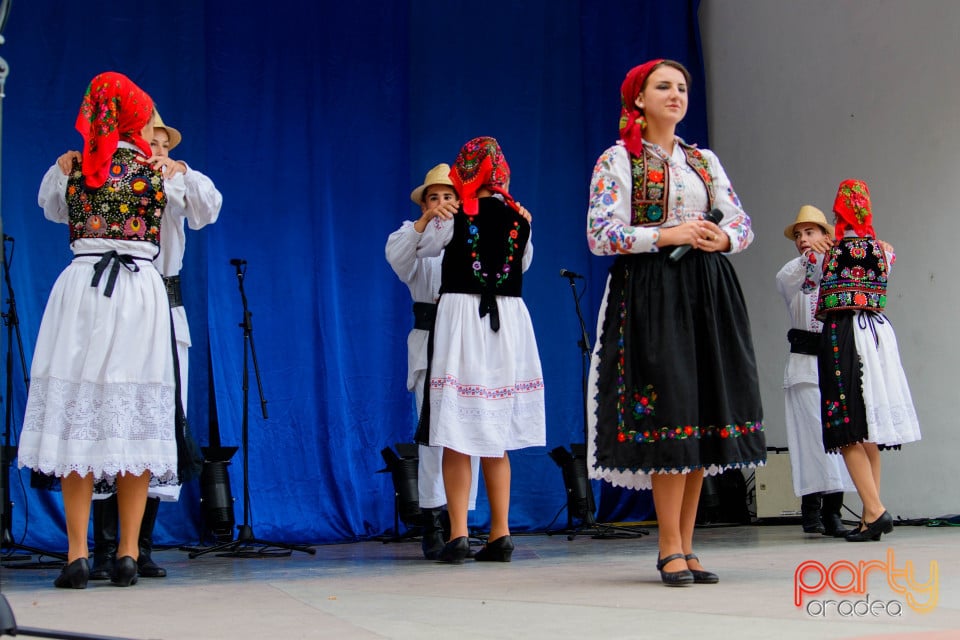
474, 240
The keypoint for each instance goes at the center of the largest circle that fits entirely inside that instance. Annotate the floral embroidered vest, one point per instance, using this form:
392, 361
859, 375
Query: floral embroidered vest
129, 206
485, 254
854, 277
651, 184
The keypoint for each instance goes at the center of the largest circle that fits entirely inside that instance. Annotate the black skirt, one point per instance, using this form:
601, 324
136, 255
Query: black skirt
843, 412
676, 373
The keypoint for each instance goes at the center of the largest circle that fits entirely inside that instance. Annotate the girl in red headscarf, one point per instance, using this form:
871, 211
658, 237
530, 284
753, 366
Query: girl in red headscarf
865, 399
673, 383
101, 404
486, 383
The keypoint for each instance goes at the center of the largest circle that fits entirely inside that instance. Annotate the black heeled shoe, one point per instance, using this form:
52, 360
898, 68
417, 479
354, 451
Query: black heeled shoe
680, 578
124, 572
499, 550
873, 530
73, 575
702, 577
456, 550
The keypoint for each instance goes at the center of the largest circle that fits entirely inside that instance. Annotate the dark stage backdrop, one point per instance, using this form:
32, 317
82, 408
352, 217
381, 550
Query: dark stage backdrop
315, 120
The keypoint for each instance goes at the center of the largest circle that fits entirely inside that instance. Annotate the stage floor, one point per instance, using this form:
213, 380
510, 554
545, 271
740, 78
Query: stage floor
554, 588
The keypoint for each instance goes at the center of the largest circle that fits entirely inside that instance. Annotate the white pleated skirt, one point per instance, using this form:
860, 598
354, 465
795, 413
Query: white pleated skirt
486, 387
102, 392
891, 416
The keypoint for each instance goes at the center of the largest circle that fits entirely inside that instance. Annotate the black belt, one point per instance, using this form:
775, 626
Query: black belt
113, 260
172, 283
805, 342
424, 315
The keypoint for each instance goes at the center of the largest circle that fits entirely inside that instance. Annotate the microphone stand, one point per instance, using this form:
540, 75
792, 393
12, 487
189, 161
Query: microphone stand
577, 460
247, 545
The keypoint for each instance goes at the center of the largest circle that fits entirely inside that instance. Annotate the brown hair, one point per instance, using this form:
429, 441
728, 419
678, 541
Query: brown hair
669, 63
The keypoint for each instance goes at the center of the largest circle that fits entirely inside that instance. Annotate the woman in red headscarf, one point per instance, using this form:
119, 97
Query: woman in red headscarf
486, 383
102, 401
865, 400
674, 392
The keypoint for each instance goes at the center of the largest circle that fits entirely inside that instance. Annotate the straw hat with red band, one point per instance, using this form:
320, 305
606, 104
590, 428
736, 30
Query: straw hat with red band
113, 109
480, 164
853, 209
631, 118
173, 135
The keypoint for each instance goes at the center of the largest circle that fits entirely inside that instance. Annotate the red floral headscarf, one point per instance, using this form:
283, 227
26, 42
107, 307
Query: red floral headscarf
480, 163
631, 128
113, 109
853, 209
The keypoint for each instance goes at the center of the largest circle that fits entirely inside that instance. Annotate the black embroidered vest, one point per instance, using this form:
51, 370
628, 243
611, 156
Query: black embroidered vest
854, 277
651, 184
485, 254
129, 206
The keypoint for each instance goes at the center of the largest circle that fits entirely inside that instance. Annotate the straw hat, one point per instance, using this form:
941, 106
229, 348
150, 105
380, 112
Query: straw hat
440, 174
808, 213
172, 133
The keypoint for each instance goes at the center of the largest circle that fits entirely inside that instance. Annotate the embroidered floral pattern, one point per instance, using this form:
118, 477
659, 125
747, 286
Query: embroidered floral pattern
854, 277
128, 207
855, 198
644, 403
604, 196
474, 241
684, 432
487, 393
837, 413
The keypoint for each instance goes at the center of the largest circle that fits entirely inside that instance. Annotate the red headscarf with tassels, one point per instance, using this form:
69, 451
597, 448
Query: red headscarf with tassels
853, 209
480, 163
113, 109
631, 123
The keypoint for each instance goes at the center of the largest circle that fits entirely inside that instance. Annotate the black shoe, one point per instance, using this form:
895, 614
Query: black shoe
832, 522
681, 578
432, 539
873, 530
104, 538
810, 513
124, 572
456, 550
702, 577
147, 568
833, 527
73, 575
102, 565
499, 550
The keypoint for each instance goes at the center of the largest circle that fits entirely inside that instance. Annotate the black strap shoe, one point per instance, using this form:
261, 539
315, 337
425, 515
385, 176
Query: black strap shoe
702, 577
682, 578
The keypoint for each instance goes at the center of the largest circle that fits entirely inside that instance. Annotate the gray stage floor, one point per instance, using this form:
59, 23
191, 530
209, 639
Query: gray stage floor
554, 588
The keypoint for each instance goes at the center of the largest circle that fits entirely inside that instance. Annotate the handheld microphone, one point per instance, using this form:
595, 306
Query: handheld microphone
237, 262
714, 216
570, 274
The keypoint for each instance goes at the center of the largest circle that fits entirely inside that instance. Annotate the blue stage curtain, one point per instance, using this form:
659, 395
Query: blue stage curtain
315, 120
